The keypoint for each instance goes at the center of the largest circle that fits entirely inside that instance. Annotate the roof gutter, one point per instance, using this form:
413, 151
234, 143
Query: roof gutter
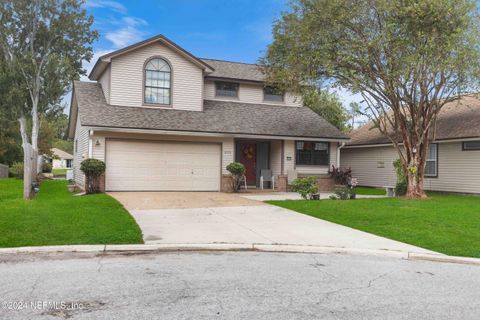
372, 145
338, 153
209, 134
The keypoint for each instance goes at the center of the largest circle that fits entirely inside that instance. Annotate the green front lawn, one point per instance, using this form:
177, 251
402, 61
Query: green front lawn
59, 172
444, 223
56, 217
370, 191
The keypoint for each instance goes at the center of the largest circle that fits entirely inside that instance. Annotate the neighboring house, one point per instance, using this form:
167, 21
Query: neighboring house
3, 171
61, 159
163, 120
453, 164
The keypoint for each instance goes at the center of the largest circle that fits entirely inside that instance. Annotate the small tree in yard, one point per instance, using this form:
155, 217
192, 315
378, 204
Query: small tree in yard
42, 46
237, 170
93, 170
406, 58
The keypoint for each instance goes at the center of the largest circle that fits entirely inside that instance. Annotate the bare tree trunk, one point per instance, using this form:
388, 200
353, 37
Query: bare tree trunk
415, 171
27, 160
35, 132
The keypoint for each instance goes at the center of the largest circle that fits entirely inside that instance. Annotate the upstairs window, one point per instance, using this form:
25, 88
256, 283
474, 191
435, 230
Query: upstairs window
272, 94
432, 161
471, 145
312, 153
157, 82
226, 89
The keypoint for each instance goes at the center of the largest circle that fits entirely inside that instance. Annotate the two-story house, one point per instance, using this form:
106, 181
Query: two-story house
165, 120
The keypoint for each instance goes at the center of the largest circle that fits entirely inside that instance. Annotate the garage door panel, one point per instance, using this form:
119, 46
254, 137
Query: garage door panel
162, 166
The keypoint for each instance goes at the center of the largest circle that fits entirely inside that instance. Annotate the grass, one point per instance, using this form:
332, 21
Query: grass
59, 172
370, 191
56, 217
444, 223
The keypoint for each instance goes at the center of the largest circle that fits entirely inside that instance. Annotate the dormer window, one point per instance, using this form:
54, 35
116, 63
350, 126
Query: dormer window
272, 94
226, 89
157, 82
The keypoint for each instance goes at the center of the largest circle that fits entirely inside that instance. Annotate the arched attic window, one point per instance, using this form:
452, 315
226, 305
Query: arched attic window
158, 76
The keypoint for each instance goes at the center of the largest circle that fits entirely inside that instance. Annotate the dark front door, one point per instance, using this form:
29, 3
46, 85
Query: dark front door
248, 157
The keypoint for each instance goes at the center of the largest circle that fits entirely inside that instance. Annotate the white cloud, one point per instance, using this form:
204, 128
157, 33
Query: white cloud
129, 33
134, 21
107, 4
89, 65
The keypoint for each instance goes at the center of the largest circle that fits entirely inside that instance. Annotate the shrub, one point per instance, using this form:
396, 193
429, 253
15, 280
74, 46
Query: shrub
47, 167
305, 186
401, 185
93, 169
401, 188
341, 176
237, 170
343, 193
16, 170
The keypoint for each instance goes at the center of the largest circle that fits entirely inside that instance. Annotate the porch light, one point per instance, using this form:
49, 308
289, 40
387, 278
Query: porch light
97, 142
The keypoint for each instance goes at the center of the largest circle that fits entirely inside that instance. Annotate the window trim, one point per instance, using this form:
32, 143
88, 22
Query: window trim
466, 149
144, 80
436, 162
269, 101
312, 165
236, 97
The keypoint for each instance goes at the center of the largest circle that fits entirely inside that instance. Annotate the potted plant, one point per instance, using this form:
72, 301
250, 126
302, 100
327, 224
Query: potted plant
237, 170
351, 186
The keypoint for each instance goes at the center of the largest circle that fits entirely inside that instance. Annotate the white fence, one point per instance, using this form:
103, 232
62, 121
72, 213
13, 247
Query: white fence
3, 171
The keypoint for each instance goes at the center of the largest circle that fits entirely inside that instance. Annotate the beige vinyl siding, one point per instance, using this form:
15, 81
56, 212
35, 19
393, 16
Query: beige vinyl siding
289, 153
98, 151
127, 78
276, 157
105, 82
80, 152
250, 93
365, 164
320, 170
458, 171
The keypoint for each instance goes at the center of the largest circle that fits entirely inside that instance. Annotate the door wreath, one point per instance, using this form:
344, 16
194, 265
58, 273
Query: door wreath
248, 151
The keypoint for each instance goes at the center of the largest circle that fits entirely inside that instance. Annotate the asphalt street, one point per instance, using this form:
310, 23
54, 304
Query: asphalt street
234, 285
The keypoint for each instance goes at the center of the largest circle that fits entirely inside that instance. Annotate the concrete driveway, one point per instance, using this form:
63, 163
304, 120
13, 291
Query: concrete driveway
205, 218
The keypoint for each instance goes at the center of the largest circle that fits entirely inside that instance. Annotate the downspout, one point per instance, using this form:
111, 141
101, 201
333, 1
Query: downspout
90, 144
338, 153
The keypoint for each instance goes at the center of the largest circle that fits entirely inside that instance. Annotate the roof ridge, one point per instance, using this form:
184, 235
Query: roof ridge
230, 61
255, 104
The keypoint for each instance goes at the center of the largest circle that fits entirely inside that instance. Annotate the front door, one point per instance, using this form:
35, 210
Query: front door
248, 157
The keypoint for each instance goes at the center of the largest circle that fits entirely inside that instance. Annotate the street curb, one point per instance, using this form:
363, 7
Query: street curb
443, 258
173, 247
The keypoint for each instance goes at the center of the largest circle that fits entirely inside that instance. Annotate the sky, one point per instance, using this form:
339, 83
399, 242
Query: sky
235, 30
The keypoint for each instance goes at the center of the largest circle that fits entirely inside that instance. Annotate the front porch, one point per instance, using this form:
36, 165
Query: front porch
278, 158
260, 157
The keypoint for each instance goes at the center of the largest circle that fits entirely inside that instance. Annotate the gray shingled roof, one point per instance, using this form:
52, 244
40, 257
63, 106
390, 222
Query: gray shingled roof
235, 70
456, 120
217, 117
61, 154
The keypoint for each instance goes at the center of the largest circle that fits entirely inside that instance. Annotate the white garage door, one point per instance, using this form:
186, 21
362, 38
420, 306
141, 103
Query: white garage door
162, 166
